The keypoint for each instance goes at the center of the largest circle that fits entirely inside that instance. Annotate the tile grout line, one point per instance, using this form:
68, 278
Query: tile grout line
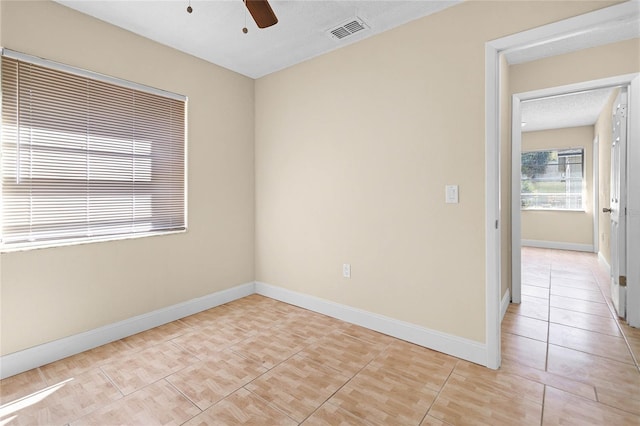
273, 326
326, 401
267, 370
438, 394
608, 318
187, 397
548, 335
546, 357
350, 379
544, 397
636, 359
124, 396
312, 341
583, 328
610, 310
611, 313
115, 385
199, 359
268, 403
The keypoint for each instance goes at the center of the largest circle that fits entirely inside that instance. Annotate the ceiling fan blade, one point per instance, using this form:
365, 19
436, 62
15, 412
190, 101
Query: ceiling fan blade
261, 12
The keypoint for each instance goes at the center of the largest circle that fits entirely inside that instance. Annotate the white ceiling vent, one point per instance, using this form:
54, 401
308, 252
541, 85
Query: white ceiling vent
348, 28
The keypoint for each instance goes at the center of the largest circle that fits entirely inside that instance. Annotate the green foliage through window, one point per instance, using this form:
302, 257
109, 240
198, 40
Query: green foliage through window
552, 179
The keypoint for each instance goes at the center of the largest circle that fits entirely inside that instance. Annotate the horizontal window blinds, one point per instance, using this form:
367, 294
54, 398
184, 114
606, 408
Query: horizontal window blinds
85, 159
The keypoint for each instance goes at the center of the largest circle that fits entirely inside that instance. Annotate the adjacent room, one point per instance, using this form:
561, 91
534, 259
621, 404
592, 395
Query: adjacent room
209, 222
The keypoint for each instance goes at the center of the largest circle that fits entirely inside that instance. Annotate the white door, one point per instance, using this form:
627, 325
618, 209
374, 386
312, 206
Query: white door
617, 208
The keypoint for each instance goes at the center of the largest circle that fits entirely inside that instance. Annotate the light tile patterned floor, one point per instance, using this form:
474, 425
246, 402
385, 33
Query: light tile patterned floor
566, 360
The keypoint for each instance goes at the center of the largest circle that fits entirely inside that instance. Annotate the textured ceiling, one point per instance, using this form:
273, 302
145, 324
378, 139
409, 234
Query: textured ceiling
570, 110
213, 31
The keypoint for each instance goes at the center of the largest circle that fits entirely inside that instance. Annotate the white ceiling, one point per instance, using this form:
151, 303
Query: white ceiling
213, 31
570, 110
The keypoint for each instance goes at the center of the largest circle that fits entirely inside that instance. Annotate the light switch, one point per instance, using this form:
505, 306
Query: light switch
346, 270
451, 194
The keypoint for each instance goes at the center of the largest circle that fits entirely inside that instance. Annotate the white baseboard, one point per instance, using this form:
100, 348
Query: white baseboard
558, 245
46, 353
504, 304
37, 356
452, 345
604, 263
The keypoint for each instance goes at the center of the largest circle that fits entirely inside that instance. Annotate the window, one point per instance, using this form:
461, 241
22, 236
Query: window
552, 179
87, 157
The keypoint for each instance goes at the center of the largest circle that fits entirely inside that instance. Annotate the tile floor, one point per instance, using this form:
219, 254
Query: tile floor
566, 360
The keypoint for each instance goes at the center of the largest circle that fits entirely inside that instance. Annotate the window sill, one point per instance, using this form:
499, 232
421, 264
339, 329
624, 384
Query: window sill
54, 244
552, 210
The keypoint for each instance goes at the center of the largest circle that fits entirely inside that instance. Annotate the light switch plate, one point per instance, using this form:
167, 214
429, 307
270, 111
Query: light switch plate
451, 194
346, 270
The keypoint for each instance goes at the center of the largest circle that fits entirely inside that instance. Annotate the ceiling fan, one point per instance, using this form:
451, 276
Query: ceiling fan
261, 12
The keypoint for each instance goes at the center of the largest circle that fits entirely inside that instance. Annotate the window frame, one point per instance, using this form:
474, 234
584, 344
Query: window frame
123, 84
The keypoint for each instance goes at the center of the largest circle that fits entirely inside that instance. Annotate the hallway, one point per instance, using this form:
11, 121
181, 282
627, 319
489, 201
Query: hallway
565, 334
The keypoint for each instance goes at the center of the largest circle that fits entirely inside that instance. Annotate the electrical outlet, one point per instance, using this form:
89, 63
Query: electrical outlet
346, 270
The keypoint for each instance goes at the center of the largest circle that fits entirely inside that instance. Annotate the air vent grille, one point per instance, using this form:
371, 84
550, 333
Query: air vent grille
348, 28
354, 27
340, 32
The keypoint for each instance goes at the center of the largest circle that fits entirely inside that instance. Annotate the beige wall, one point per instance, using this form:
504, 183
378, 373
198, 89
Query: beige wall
353, 150
602, 130
52, 293
584, 65
562, 226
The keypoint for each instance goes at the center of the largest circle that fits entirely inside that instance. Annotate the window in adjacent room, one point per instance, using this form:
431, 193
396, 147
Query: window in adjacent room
87, 157
553, 179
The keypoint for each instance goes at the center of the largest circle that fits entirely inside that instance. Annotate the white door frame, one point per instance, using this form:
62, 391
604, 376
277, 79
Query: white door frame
516, 145
493, 49
596, 193
633, 203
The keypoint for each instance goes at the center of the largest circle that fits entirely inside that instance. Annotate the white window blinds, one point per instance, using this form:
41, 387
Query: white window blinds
85, 158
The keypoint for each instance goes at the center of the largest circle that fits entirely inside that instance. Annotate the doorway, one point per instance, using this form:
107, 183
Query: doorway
521, 42
554, 210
